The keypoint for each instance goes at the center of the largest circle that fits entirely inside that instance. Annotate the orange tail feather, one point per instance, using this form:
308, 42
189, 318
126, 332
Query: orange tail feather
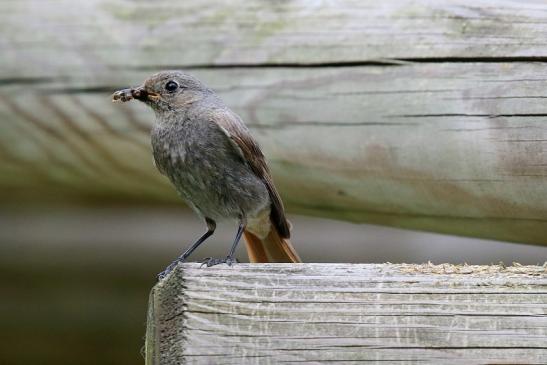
255, 249
272, 248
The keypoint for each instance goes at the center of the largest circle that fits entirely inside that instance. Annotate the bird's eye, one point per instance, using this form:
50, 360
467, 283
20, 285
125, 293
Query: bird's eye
171, 86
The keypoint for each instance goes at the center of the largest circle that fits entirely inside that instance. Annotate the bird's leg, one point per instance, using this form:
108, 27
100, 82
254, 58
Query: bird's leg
229, 260
211, 226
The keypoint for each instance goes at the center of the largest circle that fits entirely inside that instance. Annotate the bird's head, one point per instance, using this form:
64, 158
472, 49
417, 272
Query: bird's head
166, 91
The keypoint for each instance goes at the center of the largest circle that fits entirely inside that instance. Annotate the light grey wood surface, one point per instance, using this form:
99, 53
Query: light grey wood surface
415, 114
316, 313
62, 37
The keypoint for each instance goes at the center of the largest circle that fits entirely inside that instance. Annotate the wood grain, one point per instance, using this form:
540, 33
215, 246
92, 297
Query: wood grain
414, 114
53, 37
316, 313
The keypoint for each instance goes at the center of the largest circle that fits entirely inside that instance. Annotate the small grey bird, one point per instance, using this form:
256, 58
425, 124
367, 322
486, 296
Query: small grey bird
216, 166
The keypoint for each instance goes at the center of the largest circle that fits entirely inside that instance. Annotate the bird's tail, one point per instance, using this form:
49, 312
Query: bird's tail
271, 248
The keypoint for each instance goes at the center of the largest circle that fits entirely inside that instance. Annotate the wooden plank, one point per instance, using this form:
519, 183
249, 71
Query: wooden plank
455, 148
53, 38
431, 143
312, 313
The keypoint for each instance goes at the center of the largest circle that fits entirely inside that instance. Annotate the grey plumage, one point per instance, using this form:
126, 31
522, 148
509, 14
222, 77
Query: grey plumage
203, 164
215, 165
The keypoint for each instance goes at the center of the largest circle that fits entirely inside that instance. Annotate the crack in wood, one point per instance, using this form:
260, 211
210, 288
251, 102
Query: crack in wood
449, 115
105, 89
389, 62
280, 125
6, 81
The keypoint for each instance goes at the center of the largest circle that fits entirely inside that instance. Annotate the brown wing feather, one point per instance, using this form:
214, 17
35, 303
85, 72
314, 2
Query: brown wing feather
251, 153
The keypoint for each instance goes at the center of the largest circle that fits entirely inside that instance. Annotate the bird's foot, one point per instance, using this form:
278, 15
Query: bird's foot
211, 261
169, 268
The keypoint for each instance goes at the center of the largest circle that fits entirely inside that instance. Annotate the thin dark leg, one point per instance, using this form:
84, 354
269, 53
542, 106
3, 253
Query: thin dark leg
240, 230
211, 226
230, 260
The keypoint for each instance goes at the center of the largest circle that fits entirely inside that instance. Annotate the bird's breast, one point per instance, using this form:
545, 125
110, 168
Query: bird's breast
202, 164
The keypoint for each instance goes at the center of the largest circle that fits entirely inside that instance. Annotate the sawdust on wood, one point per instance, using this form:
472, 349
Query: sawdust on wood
465, 269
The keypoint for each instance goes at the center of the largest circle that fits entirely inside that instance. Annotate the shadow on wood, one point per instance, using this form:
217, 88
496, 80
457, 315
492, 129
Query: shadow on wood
312, 313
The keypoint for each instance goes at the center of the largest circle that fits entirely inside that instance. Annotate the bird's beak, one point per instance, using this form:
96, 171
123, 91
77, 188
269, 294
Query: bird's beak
138, 93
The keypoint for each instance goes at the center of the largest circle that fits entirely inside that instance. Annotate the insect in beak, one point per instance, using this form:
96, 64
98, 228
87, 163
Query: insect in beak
138, 93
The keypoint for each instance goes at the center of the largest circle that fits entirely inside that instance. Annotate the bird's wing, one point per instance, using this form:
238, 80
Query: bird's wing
248, 148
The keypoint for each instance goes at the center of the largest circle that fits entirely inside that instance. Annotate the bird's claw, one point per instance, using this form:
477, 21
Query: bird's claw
168, 269
211, 261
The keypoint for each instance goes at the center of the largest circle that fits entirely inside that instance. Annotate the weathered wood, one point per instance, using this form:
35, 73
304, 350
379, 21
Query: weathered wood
415, 146
314, 313
431, 143
63, 38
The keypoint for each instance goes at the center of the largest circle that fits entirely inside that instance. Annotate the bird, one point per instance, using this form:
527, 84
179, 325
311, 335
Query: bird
215, 165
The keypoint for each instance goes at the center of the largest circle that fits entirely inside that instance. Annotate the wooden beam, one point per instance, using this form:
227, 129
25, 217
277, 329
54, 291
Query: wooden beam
415, 114
51, 38
415, 146
286, 313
